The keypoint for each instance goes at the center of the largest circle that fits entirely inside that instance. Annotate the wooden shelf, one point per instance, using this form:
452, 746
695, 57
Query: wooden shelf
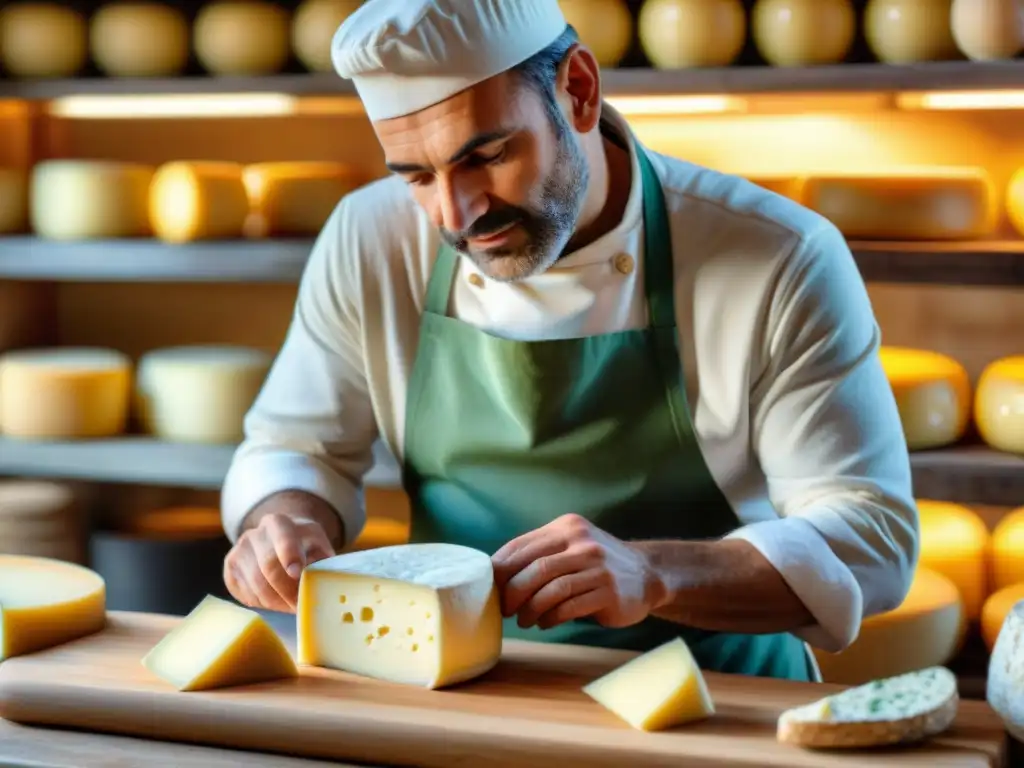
970, 474
743, 79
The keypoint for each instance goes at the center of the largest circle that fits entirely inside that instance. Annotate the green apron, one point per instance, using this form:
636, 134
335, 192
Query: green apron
503, 437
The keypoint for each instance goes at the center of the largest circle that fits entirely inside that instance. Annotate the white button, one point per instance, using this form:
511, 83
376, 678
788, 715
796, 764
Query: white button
476, 280
624, 263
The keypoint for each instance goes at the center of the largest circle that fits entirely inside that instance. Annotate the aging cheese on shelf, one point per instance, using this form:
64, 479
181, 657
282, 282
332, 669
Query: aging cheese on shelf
295, 199
313, 28
199, 394
139, 39
933, 395
219, 645
418, 614
999, 404
201, 200
604, 26
692, 33
955, 542
997, 607
64, 393
659, 689
13, 201
87, 199
1006, 554
926, 630
987, 29
923, 204
42, 39
1004, 688
174, 523
44, 603
799, 33
242, 37
36, 515
908, 31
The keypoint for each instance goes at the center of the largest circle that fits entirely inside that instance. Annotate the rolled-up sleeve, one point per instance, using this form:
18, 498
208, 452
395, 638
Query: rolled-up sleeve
311, 427
828, 436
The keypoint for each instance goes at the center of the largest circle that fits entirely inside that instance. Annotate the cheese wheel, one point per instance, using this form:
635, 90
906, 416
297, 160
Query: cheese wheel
242, 37
908, 31
42, 39
1006, 555
933, 395
199, 394
175, 524
35, 512
988, 29
44, 603
799, 33
692, 33
295, 199
926, 630
999, 404
313, 28
64, 393
604, 26
204, 200
82, 199
997, 607
922, 204
139, 39
955, 542
1015, 200
13, 201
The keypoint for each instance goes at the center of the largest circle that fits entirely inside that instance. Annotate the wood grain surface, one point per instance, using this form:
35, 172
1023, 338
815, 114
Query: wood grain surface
528, 711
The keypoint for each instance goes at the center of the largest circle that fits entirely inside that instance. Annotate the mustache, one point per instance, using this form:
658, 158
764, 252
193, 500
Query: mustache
489, 223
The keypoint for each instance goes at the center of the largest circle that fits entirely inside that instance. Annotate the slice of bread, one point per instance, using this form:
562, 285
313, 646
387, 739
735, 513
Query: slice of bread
896, 710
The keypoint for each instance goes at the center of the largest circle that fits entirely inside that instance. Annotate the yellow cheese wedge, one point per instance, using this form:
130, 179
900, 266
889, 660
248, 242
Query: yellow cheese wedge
692, 33
86, 199
1006, 555
139, 39
13, 201
659, 689
42, 39
955, 542
996, 609
313, 27
419, 614
999, 404
242, 37
908, 31
604, 26
797, 33
220, 645
44, 603
295, 199
927, 629
64, 393
203, 200
199, 394
933, 395
913, 204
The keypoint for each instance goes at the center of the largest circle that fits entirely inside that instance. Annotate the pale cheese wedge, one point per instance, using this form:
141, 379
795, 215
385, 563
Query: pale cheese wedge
219, 645
895, 710
659, 689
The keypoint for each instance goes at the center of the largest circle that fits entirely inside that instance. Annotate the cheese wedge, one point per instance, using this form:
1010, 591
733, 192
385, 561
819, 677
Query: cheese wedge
1006, 551
999, 404
417, 614
933, 395
659, 689
894, 710
219, 645
1005, 684
955, 542
45, 603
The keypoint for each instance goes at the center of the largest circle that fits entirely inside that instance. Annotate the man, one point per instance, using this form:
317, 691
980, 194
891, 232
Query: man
651, 391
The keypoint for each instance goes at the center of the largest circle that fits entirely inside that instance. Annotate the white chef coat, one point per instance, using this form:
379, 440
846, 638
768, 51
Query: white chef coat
792, 409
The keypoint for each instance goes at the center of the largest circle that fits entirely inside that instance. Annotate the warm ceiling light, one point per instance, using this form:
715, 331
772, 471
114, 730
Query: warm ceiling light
961, 100
174, 105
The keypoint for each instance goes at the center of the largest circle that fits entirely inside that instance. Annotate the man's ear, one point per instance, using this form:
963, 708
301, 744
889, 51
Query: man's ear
578, 88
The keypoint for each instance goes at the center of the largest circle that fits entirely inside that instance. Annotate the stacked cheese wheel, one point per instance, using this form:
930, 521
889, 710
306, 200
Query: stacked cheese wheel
40, 519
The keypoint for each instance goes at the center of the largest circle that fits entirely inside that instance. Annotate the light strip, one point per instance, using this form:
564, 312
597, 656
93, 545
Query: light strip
174, 105
949, 100
654, 106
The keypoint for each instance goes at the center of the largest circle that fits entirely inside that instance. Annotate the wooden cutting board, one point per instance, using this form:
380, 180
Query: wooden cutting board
528, 711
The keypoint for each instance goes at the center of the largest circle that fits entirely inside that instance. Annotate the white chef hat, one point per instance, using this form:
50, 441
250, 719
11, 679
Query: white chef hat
406, 55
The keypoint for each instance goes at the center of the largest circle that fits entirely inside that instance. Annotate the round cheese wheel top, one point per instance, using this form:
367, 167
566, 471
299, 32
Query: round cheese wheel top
31, 498
803, 32
139, 39
692, 33
906, 367
604, 26
67, 359
33, 582
42, 39
242, 37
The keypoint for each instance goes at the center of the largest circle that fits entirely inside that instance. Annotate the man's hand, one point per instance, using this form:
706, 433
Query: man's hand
570, 569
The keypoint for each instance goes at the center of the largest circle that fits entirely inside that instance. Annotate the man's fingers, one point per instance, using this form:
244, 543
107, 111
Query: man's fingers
560, 591
525, 584
577, 607
511, 559
235, 584
254, 564
284, 536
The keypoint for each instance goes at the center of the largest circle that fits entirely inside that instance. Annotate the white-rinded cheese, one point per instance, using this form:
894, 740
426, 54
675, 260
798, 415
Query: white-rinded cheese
955, 543
997, 607
908, 31
13, 201
913, 204
418, 614
1006, 550
242, 37
797, 33
899, 709
295, 199
999, 404
313, 27
44, 603
604, 26
64, 393
202, 200
199, 394
692, 33
988, 29
42, 39
219, 645
139, 39
1005, 682
659, 689
85, 199
933, 395
926, 630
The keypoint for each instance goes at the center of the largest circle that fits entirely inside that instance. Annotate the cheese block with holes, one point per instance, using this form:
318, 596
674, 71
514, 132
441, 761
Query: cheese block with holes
999, 404
202, 200
295, 199
418, 614
1006, 551
955, 542
933, 395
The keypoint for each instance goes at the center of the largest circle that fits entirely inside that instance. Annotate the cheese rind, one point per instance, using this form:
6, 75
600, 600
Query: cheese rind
955, 542
295, 199
933, 395
219, 645
1006, 550
1004, 688
45, 603
417, 614
202, 200
999, 404
659, 689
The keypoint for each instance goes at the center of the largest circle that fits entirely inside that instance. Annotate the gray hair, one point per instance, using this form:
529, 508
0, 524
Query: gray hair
539, 71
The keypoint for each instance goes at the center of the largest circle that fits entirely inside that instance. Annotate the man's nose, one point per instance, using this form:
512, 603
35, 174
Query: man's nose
459, 205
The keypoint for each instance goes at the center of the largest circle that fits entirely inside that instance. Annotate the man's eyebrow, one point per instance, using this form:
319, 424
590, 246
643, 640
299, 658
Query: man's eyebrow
480, 140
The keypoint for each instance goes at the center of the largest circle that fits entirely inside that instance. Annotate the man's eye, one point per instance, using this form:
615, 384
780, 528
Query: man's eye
481, 158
